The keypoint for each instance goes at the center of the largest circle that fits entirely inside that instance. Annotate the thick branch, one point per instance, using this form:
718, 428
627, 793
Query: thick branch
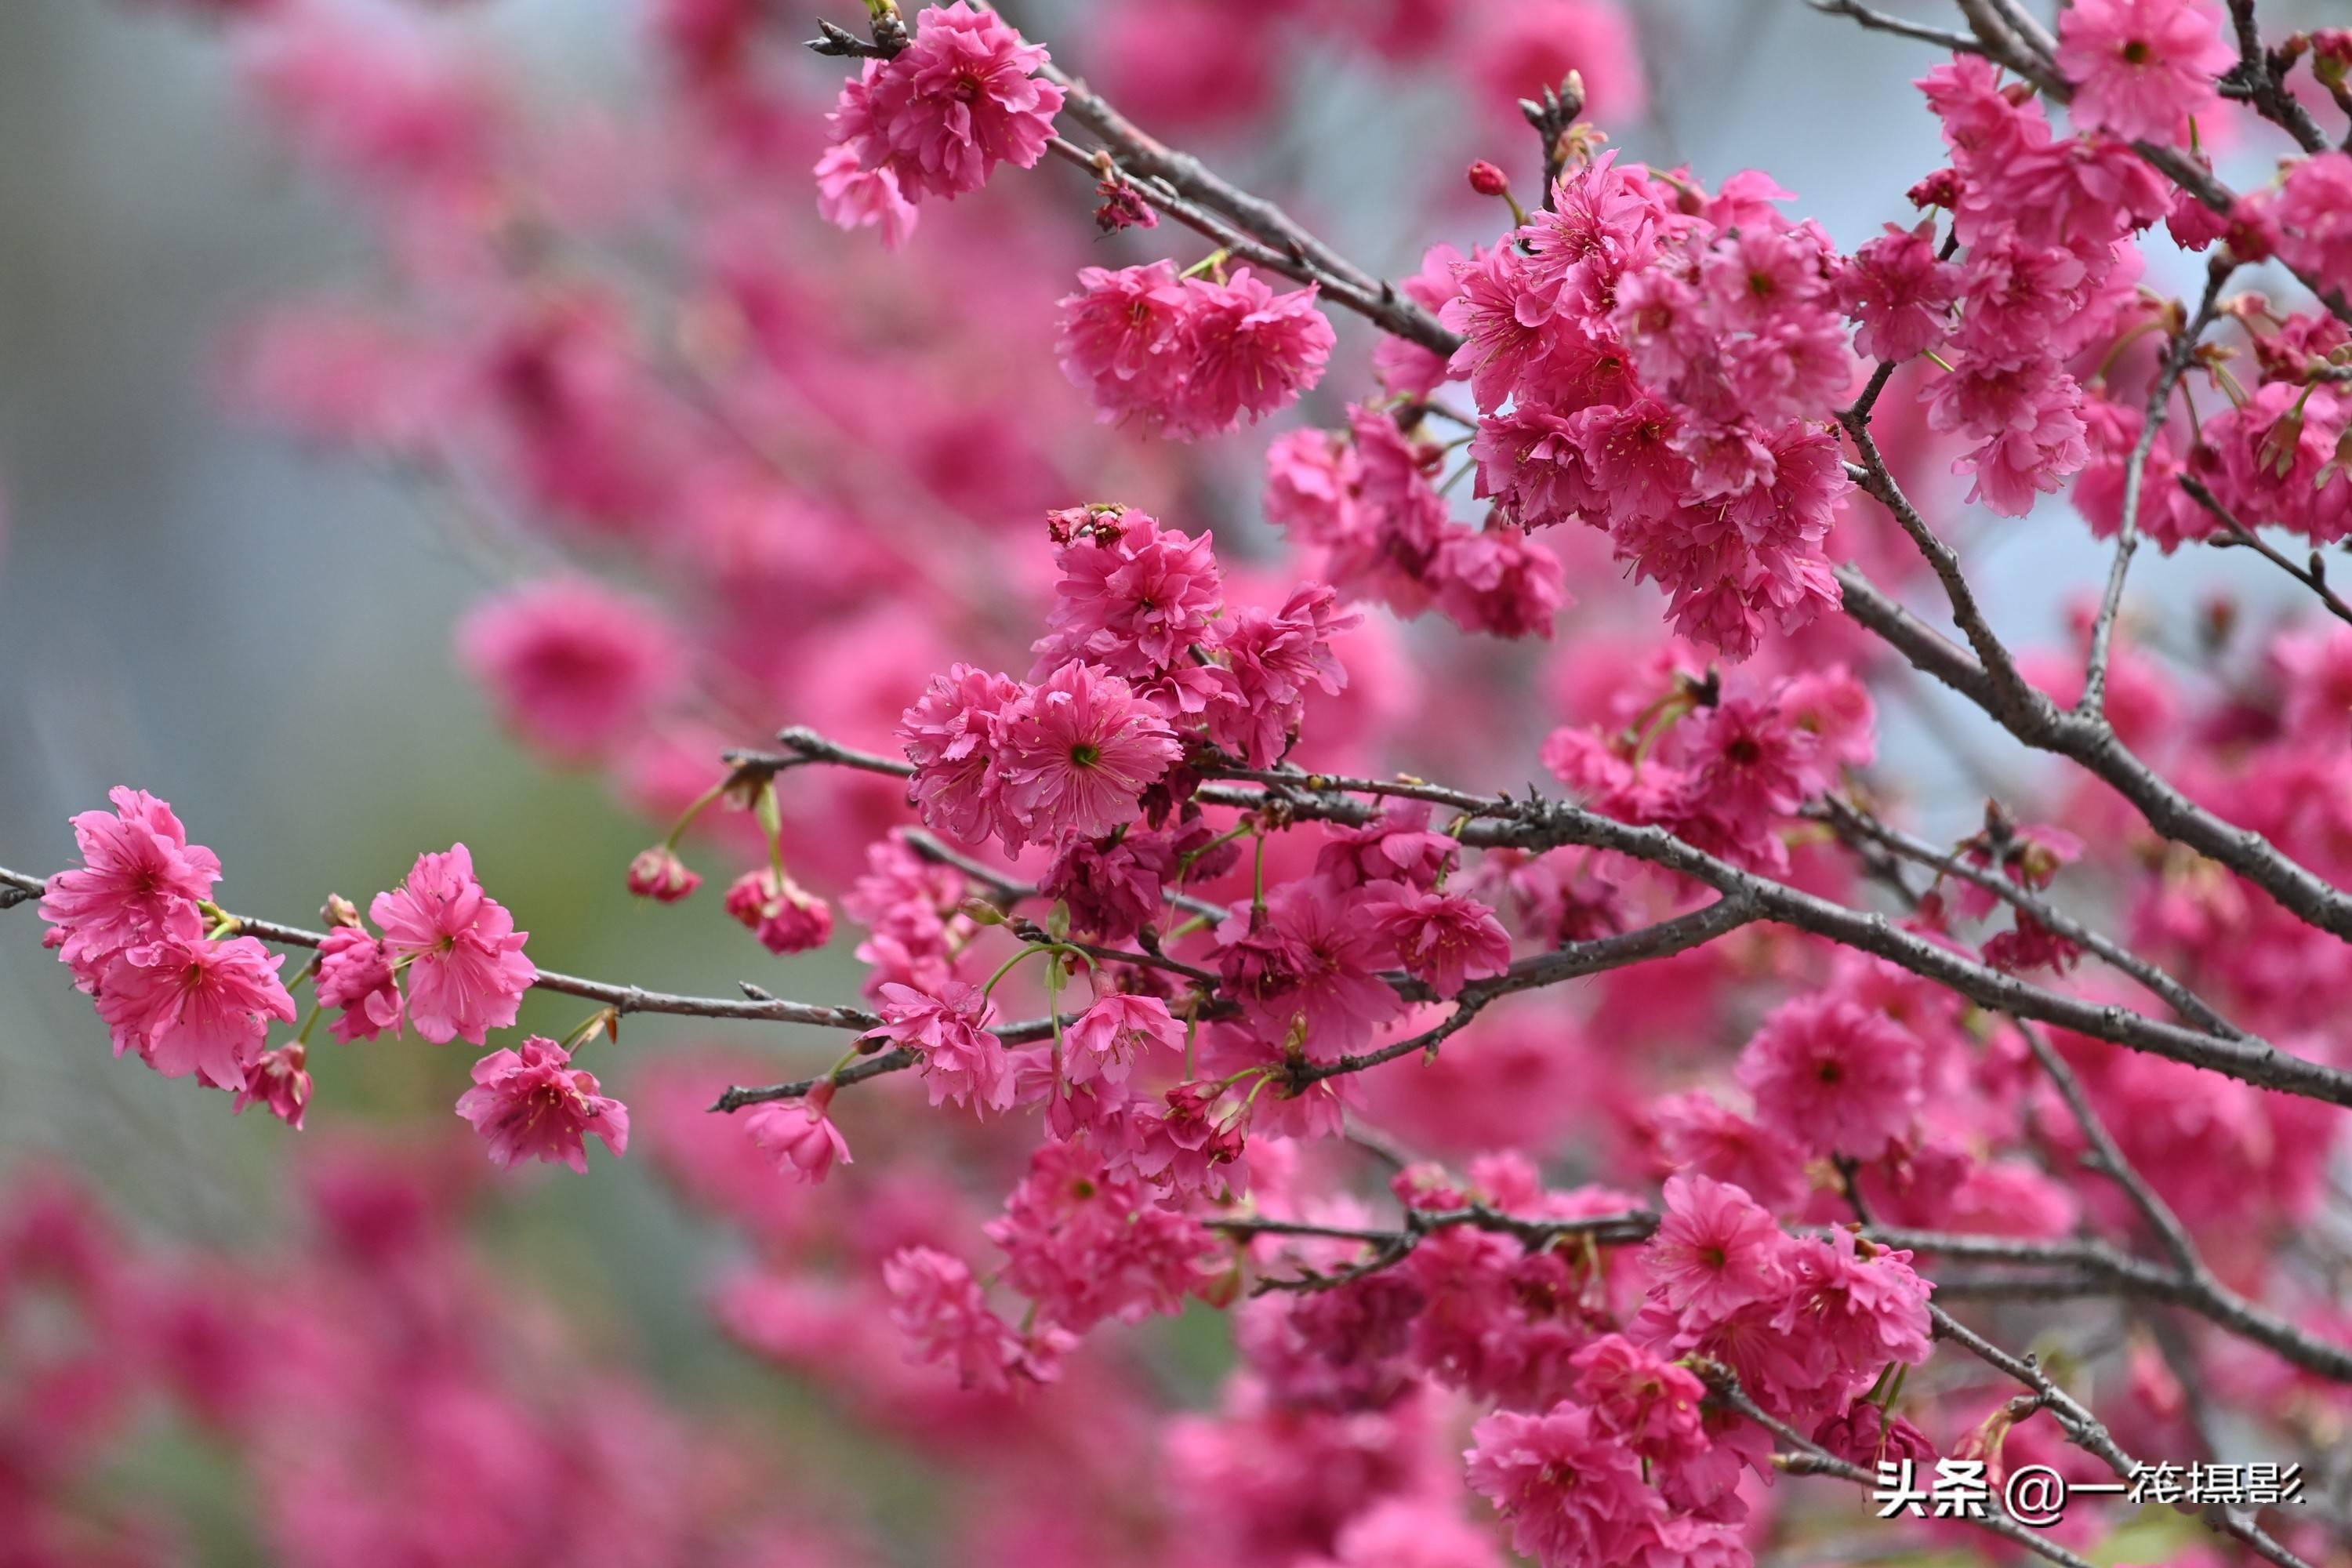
1536, 824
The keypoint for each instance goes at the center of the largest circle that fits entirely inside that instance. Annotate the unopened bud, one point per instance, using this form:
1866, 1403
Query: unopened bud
1941, 189
979, 911
658, 874
341, 911
2331, 56
1487, 179
2282, 444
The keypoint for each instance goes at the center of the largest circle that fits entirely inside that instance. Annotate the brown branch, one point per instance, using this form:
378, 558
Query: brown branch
2259, 78
1536, 824
2087, 1432
1802, 1456
2178, 356
1854, 824
2313, 576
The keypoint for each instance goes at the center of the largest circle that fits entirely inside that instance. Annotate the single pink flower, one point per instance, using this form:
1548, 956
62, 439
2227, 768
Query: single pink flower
1715, 1250
1444, 939
281, 1080
935, 119
574, 667
1834, 1076
658, 874
139, 880
534, 1104
784, 916
962, 1062
954, 735
1079, 751
355, 977
466, 968
2141, 68
195, 1007
1247, 351
941, 1310
799, 1135
1109, 1035
1572, 1492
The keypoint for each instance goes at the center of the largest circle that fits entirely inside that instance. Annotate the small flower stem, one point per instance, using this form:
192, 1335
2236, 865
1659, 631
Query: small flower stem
1213, 262
701, 803
1184, 861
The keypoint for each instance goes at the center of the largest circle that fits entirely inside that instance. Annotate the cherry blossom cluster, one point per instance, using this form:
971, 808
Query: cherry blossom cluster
1587, 1074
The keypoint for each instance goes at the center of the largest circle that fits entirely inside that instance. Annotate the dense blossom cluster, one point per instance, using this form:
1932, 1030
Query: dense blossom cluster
1569, 1162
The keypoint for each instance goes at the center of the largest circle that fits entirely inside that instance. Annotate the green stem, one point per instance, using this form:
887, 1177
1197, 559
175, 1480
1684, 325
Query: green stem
701, 803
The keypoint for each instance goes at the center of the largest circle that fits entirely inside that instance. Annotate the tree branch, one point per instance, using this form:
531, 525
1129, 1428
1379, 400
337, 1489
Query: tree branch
2312, 576
2177, 355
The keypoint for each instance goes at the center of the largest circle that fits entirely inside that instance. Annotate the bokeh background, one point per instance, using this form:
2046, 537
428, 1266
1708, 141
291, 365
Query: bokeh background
261, 634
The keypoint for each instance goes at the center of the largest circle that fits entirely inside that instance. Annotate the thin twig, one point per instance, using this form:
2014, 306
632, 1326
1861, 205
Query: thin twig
2178, 355
2238, 534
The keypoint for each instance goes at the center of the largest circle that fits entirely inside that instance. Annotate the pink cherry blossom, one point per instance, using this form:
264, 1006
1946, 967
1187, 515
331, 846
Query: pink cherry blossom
1444, 939
139, 880
799, 1135
280, 1079
1571, 1492
575, 669
936, 1303
935, 118
534, 1104
786, 917
2142, 68
356, 977
465, 963
961, 1062
1716, 1250
1079, 750
187, 1006
1832, 1076
1106, 1039
658, 874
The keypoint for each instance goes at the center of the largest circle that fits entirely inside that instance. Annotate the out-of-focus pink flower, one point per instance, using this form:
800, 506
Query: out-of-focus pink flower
1522, 49
575, 669
1833, 1076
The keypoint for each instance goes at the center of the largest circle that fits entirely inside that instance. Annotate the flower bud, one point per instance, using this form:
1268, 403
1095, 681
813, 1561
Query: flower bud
1487, 179
657, 873
785, 916
341, 911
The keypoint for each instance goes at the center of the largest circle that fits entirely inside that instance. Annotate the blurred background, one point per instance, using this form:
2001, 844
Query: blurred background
261, 631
